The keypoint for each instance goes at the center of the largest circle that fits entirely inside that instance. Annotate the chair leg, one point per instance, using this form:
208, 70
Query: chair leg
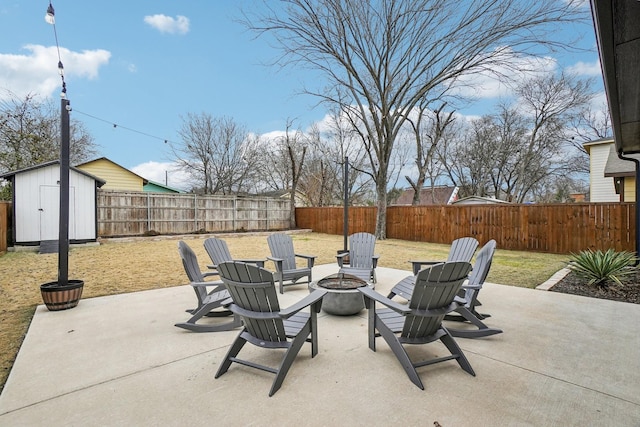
400, 353
456, 351
289, 357
233, 352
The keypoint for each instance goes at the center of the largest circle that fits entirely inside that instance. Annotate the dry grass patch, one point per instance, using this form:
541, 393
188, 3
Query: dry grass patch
118, 266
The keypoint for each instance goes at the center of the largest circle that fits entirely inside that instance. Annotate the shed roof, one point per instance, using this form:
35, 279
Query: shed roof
11, 174
439, 195
480, 200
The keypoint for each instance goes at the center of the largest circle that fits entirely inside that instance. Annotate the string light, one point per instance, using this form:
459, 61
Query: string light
115, 126
50, 17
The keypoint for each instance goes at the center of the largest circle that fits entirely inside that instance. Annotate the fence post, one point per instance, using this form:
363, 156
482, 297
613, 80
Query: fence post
235, 217
195, 211
148, 212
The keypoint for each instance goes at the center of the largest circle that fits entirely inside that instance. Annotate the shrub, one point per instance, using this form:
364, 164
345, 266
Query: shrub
601, 268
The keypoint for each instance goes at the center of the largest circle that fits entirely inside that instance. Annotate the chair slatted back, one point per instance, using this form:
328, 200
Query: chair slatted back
218, 250
481, 268
435, 287
281, 246
252, 288
462, 249
191, 267
361, 249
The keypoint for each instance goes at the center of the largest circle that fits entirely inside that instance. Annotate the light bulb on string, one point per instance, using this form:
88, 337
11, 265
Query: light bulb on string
50, 17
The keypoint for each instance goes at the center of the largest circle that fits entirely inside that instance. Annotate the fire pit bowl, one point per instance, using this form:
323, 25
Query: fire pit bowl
343, 297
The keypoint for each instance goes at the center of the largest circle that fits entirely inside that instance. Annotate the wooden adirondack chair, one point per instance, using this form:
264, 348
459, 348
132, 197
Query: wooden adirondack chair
284, 258
218, 251
362, 259
468, 297
419, 322
210, 303
462, 249
265, 325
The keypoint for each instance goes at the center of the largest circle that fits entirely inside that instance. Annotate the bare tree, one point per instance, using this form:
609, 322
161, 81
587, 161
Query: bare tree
323, 179
382, 58
519, 151
30, 134
428, 128
217, 153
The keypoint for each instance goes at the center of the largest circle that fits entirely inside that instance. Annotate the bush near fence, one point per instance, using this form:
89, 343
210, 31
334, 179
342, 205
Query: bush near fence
554, 228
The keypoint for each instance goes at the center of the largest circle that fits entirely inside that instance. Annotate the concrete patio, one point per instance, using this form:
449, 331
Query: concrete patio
562, 361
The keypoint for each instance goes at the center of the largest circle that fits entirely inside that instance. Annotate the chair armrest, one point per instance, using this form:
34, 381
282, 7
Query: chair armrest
375, 260
417, 265
310, 299
210, 273
310, 259
258, 262
277, 262
340, 258
395, 306
218, 283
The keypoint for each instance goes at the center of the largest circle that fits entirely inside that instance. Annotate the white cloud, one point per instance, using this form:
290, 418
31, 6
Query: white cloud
586, 68
494, 83
37, 71
168, 24
166, 173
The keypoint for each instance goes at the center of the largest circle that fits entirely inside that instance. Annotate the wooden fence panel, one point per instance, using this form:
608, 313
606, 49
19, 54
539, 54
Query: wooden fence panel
558, 228
135, 213
5, 220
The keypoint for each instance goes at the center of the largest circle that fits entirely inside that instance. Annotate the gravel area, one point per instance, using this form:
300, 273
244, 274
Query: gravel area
629, 291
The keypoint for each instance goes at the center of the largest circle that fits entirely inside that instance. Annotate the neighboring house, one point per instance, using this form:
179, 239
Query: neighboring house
36, 204
115, 176
156, 187
438, 195
477, 200
611, 179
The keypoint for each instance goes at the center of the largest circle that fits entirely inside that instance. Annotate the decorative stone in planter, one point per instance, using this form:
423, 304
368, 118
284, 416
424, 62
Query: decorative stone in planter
61, 297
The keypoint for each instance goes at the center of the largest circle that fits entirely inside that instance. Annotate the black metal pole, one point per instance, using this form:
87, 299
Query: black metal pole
63, 231
345, 221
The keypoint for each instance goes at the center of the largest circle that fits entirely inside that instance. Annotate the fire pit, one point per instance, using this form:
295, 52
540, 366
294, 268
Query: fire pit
343, 297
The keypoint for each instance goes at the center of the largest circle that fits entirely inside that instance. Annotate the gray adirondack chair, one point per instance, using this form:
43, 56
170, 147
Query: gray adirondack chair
266, 325
468, 297
284, 258
362, 258
210, 303
218, 251
462, 249
420, 321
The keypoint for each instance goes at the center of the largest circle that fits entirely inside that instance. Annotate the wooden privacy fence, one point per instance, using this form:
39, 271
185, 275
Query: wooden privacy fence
558, 228
135, 213
5, 214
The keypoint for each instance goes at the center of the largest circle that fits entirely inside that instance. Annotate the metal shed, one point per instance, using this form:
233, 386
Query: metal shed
36, 204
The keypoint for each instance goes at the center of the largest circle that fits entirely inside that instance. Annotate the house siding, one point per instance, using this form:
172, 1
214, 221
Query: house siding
629, 189
602, 189
116, 177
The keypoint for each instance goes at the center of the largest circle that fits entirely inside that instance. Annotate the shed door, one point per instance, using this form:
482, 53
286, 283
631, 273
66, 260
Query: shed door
50, 212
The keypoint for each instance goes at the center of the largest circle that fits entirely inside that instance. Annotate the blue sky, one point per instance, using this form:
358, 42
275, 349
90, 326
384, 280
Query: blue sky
144, 64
